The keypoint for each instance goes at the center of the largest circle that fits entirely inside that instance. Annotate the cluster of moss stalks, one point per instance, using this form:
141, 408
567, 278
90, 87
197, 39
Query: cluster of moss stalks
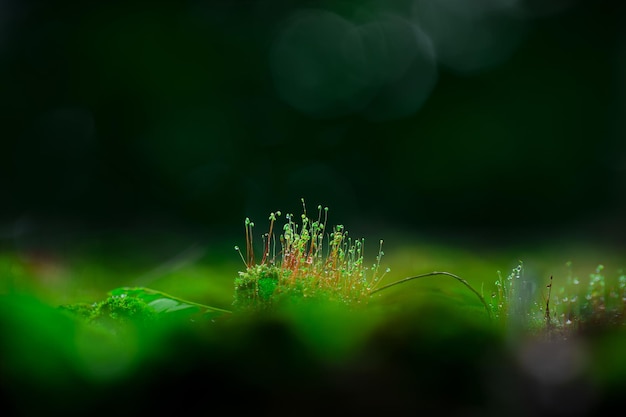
311, 263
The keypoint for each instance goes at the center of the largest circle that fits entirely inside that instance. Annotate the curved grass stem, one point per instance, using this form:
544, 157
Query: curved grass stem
434, 273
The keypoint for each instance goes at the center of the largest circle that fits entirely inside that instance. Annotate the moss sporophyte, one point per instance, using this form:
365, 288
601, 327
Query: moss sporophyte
312, 262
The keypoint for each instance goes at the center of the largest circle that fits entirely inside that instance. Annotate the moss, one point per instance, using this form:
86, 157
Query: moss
81, 310
262, 287
257, 286
119, 310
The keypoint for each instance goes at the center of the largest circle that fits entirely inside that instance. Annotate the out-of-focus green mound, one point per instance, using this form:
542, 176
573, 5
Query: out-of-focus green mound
374, 361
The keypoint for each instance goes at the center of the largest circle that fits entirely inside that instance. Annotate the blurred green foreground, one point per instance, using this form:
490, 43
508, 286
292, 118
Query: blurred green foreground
422, 347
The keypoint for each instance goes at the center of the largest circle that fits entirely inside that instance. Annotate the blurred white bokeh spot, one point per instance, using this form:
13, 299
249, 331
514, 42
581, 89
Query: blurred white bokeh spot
326, 66
403, 64
315, 64
471, 37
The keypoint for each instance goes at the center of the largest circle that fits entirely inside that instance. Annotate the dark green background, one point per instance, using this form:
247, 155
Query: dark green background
115, 115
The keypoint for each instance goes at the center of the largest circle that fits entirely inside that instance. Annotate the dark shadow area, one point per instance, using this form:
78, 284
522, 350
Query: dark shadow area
499, 120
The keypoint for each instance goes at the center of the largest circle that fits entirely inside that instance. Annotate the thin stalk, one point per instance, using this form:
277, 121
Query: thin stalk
547, 317
266, 250
249, 253
430, 274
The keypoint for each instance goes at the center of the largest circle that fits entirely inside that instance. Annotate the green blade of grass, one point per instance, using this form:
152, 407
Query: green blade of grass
435, 273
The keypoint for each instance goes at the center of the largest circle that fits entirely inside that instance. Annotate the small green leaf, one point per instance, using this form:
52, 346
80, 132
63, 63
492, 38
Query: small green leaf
162, 305
166, 305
